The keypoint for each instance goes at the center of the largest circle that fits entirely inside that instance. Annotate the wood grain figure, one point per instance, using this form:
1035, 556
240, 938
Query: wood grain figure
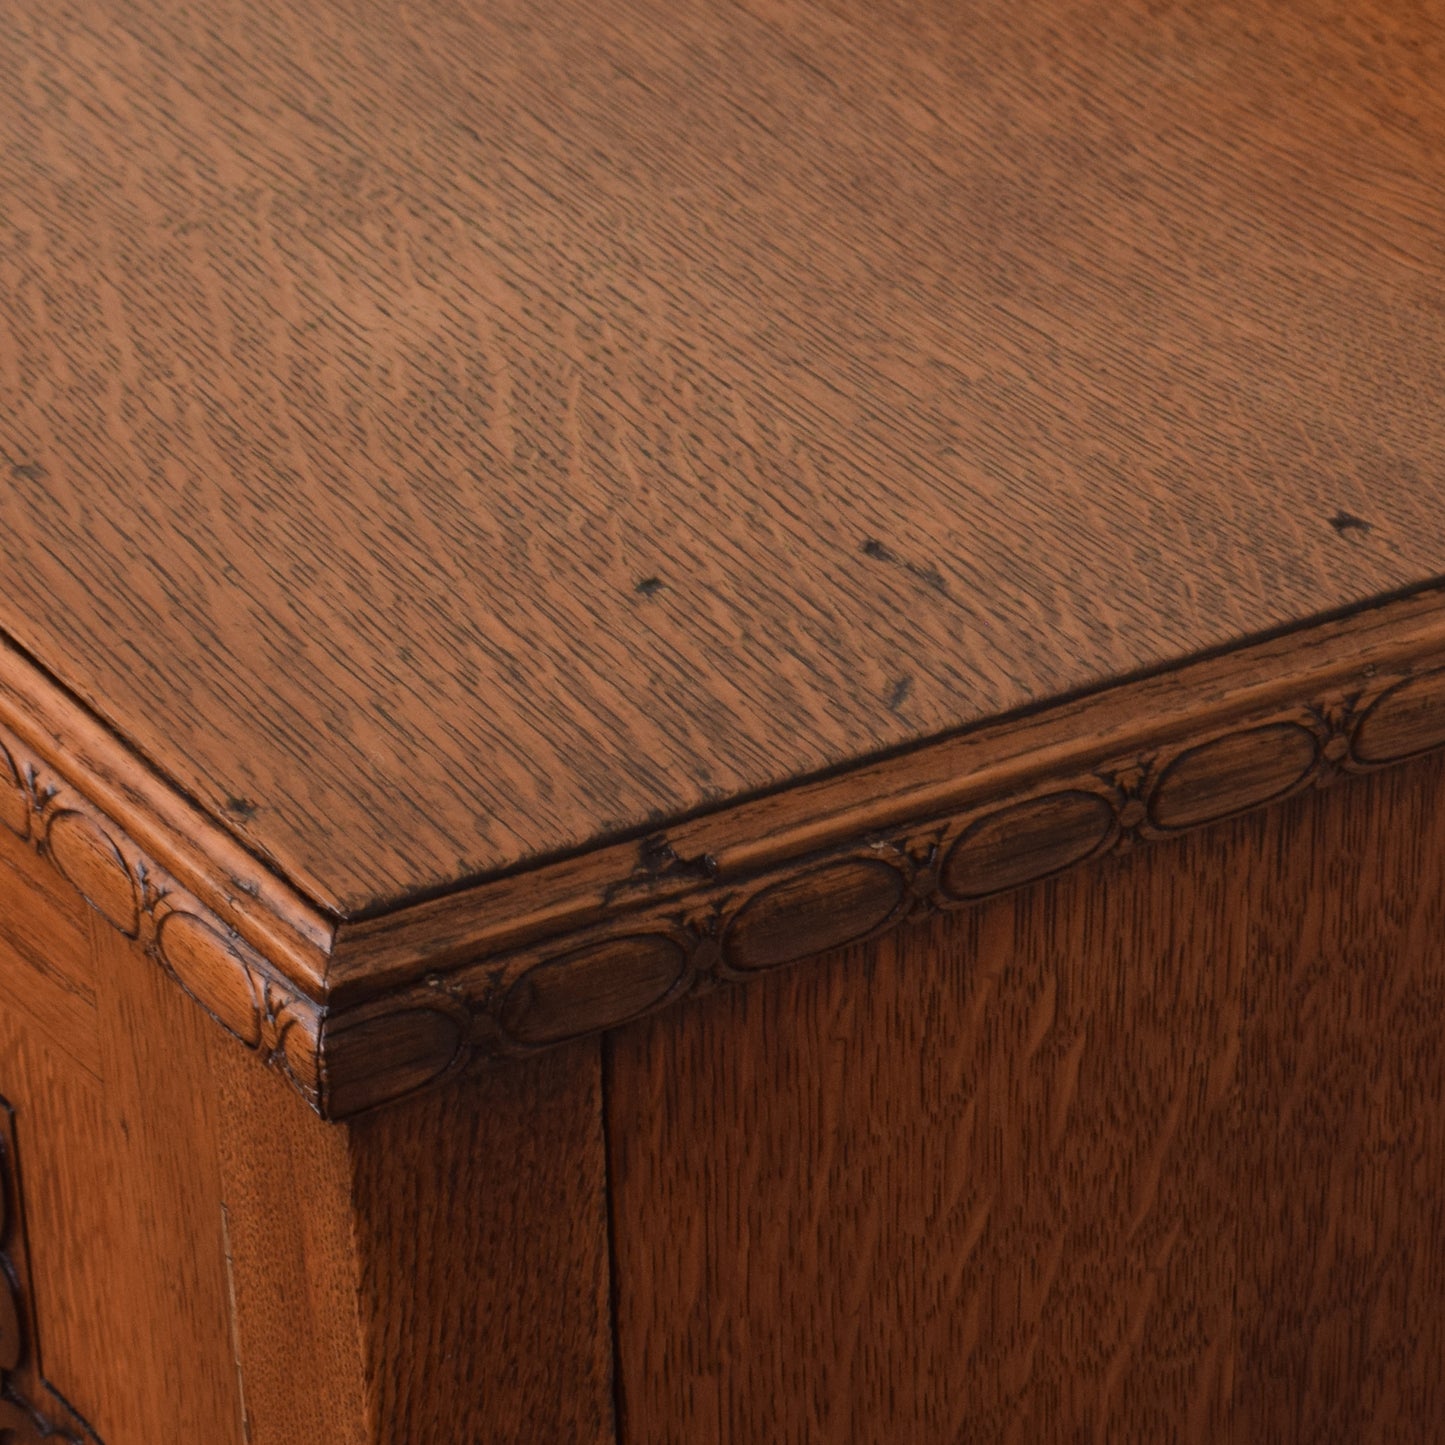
30, 1409
1148, 1153
721, 720
363, 368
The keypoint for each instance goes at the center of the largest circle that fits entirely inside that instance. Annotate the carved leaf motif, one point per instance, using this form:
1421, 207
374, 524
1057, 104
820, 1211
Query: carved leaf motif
233, 983
712, 927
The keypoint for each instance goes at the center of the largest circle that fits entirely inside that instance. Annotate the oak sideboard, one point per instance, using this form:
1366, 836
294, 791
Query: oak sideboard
722, 722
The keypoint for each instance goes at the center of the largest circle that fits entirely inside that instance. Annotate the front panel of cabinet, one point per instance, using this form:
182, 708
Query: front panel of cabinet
1154, 1152
1151, 1151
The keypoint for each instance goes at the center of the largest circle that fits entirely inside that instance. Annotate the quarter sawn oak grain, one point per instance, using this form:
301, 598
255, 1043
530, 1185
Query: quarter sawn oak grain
621, 932
441, 438
1152, 1152
516, 513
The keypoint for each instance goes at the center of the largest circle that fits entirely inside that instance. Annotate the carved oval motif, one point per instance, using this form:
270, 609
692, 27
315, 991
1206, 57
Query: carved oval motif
379, 1059
1025, 842
592, 988
14, 805
1408, 719
211, 971
1232, 773
822, 909
86, 855
299, 1046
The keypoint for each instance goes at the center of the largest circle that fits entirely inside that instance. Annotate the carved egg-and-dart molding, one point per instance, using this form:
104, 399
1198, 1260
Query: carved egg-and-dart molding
721, 930
228, 978
623, 969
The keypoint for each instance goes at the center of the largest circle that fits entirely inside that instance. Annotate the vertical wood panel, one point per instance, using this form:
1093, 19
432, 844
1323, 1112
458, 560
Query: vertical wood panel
1342, 1311
172, 1359
117, 1169
68, 1150
482, 1226
45, 952
1152, 1152
60, 1131
292, 1257
435, 1273
963, 1185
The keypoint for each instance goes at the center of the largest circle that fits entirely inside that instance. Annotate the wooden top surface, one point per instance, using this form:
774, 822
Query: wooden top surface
443, 436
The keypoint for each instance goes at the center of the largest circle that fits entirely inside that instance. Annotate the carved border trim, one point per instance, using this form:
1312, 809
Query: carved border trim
570, 951
49, 725
24, 1418
241, 991
516, 1003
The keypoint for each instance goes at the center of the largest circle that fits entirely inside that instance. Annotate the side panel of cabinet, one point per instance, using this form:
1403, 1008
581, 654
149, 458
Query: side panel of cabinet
114, 1178
52, 1229
1155, 1151
435, 1273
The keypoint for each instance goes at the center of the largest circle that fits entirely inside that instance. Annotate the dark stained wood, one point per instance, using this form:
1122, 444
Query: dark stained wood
55, 755
30, 1409
61, 1136
1311, 673
1341, 1311
444, 437
97, 863
291, 1261
124, 1265
45, 954
208, 1260
1150, 1152
627, 930
70, 1152
1409, 719
513, 516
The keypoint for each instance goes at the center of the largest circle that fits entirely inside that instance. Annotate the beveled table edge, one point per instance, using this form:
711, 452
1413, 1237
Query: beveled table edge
356, 1013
